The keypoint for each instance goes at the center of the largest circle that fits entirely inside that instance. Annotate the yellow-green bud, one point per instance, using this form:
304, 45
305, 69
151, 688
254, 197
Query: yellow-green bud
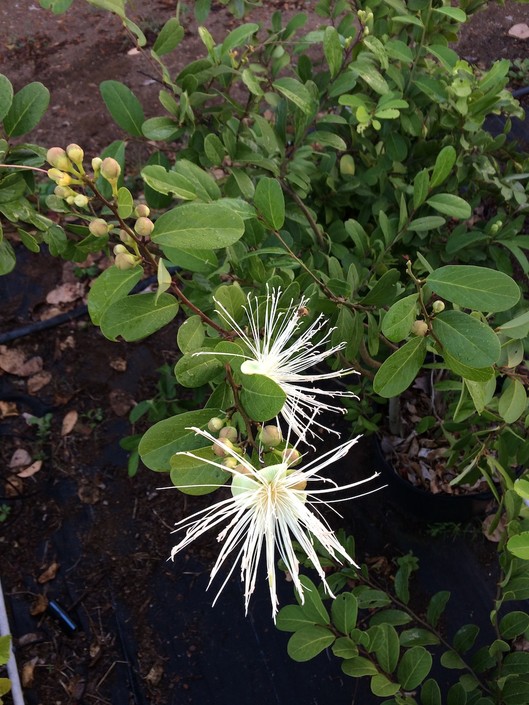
230, 463
215, 424
419, 328
124, 260
75, 153
120, 249
229, 432
96, 164
60, 177
81, 201
301, 485
56, 156
99, 228
220, 446
438, 306
291, 456
142, 211
110, 169
144, 226
63, 191
125, 237
70, 200
270, 436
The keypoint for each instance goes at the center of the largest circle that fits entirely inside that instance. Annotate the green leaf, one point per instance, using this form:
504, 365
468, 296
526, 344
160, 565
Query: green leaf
359, 666
194, 476
270, 202
5, 649
437, 606
413, 668
430, 693
232, 298
516, 690
6, 95
309, 642
465, 637
201, 225
395, 617
292, 618
421, 184
214, 149
477, 288
166, 182
519, 545
387, 647
383, 291
312, 606
196, 260
400, 369
513, 400
345, 648
160, 129
448, 204
521, 487
190, 334
296, 92
429, 222
383, 687
7, 257
481, 392
204, 184
26, 110
137, 316
332, 49
455, 13
514, 624
171, 436
344, 611
117, 6
398, 321
443, 166
125, 203
418, 637
164, 280
169, 37
238, 37
110, 286
473, 374
467, 339
261, 397
517, 328
194, 369
124, 107
451, 659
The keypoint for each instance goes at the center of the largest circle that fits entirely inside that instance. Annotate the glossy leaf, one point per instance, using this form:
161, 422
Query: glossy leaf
443, 166
518, 545
26, 110
6, 95
359, 666
430, 693
387, 647
344, 611
195, 369
292, 618
448, 204
514, 624
110, 286
190, 334
122, 104
296, 92
383, 687
166, 182
137, 316
413, 668
467, 339
477, 288
202, 225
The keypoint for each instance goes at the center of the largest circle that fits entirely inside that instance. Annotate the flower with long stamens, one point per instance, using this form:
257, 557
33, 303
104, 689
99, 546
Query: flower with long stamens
269, 509
278, 350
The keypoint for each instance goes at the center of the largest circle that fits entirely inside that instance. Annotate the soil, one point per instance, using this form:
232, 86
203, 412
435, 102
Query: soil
99, 615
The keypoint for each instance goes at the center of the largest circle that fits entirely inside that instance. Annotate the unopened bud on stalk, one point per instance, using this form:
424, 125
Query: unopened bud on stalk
301, 485
70, 199
63, 191
125, 260
142, 211
220, 446
215, 424
75, 153
99, 228
60, 177
81, 201
110, 169
270, 436
230, 463
291, 456
56, 156
144, 226
229, 432
419, 328
125, 237
96, 165
438, 306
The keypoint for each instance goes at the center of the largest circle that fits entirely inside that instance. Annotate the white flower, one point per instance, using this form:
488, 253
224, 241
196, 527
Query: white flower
269, 508
275, 352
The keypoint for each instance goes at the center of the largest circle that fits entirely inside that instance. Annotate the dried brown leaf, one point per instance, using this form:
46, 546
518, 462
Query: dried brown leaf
31, 469
69, 421
13, 360
28, 672
65, 293
38, 381
20, 459
8, 408
48, 574
39, 606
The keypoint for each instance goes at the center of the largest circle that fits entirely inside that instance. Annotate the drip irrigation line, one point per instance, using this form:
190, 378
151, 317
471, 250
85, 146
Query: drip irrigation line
520, 92
68, 316
12, 670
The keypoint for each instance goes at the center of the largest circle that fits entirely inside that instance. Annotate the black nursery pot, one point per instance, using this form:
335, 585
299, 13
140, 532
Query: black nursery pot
434, 508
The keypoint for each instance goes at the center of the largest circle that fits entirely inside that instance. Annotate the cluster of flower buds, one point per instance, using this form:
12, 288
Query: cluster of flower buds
67, 171
366, 19
124, 258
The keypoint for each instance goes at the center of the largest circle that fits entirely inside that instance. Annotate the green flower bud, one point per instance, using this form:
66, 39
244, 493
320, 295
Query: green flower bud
220, 446
438, 306
142, 211
270, 436
63, 191
70, 200
120, 249
81, 201
291, 456
301, 485
75, 153
229, 432
215, 424
110, 169
230, 463
56, 156
419, 328
124, 260
60, 177
125, 237
99, 228
144, 226
96, 165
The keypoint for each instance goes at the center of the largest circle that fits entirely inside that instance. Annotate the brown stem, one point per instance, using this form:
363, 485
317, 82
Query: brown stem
240, 408
306, 212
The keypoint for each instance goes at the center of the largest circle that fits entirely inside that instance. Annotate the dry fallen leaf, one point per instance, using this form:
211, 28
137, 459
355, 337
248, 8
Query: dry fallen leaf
49, 573
38, 381
155, 674
14, 486
39, 606
28, 672
121, 402
31, 469
8, 408
519, 31
13, 360
88, 493
118, 364
69, 421
20, 459
65, 293
498, 532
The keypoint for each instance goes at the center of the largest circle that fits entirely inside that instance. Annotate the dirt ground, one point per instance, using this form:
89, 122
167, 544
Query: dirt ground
74, 528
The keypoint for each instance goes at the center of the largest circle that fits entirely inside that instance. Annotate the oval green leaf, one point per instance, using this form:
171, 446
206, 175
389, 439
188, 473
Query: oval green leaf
309, 642
398, 320
261, 397
110, 286
125, 108
202, 225
195, 369
400, 369
448, 204
519, 545
270, 203
477, 288
27, 108
137, 316
467, 339
194, 475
